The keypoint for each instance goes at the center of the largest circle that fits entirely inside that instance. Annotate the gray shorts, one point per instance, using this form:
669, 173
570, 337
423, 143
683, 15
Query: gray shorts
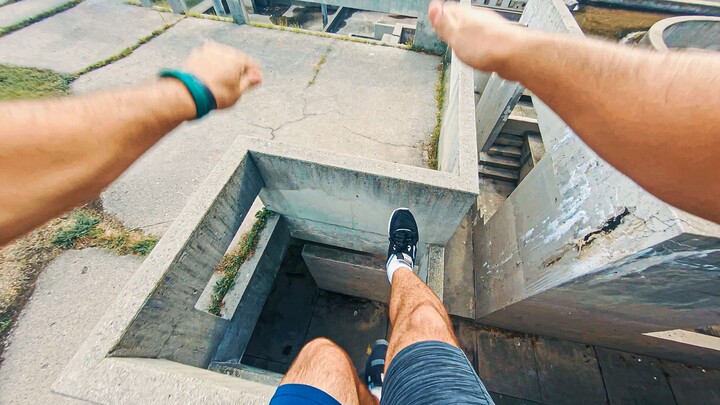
432, 373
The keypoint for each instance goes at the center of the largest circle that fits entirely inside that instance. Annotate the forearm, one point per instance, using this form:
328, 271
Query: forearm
56, 154
651, 115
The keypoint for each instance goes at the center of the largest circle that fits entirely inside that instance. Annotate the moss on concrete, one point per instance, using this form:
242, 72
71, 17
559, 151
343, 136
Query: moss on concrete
440, 94
231, 263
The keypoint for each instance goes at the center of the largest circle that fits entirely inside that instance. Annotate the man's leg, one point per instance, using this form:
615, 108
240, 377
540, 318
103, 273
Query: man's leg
324, 365
416, 314
424, 364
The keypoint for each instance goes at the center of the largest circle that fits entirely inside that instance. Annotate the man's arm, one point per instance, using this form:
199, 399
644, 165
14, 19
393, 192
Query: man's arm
651, 115
59, 153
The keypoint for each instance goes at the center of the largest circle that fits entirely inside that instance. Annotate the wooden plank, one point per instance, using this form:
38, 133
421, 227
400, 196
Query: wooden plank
506, 364
692, 384
633, 379
568, 373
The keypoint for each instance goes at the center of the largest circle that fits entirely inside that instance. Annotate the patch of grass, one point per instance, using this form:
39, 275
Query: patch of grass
32, 20
66, 237
29, 83
319, 66
127, 51
5, 324
230, 264
440, 90
91, 228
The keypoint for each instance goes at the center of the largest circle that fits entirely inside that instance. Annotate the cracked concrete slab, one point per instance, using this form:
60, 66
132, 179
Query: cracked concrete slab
88, 33
365, 100
22, 10
70, 297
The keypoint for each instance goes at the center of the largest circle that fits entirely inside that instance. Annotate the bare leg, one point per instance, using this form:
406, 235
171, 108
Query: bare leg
324, 365
416, 314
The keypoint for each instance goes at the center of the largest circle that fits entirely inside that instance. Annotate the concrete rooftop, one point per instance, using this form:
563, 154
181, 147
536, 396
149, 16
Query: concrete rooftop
369, 101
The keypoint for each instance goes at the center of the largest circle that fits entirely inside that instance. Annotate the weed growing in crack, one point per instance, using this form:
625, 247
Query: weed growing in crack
37, 18
127, 51
440, 90
231, 263
319, 66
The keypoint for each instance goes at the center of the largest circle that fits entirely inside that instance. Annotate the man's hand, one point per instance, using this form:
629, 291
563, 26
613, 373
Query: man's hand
480, 38
227, 72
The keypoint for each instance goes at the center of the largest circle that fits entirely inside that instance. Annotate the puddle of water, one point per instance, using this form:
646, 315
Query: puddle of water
615, 23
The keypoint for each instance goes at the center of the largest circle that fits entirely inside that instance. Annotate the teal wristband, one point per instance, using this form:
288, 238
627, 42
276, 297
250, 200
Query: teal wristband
204, 99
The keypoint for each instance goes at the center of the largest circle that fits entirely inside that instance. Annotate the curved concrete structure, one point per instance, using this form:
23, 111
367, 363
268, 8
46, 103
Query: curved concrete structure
697, 32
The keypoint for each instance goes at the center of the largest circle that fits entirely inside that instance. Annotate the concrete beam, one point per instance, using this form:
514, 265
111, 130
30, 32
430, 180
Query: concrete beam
178, 6
238, 11
494, 108
348, 273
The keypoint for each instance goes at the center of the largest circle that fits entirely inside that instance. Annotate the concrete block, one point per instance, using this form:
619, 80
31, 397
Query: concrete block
494, 108
632, 378
348, 273
383, 29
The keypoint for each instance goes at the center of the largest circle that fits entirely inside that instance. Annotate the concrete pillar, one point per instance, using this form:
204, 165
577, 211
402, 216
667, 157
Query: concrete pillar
425, 37
323, 8
178, 6
238, 11
219, 9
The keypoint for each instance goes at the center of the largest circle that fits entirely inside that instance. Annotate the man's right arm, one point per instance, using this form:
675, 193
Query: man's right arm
651, 115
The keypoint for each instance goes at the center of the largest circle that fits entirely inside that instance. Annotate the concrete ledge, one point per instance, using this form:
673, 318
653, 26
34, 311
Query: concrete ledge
348, 273
244, 303
696, 32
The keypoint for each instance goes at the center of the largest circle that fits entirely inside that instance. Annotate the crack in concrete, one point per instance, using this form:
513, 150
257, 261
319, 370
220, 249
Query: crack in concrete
377, 140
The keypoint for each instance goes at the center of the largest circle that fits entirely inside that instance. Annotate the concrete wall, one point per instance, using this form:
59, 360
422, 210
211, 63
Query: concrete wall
458, 125
684, 32
575, 215
342, 201
348, 273
168, 325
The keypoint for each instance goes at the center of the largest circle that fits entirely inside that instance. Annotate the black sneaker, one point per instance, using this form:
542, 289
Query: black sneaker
403, 236
375, 367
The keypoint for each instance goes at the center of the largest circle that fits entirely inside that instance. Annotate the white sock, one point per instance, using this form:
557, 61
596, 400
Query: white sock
396, 263
377, 391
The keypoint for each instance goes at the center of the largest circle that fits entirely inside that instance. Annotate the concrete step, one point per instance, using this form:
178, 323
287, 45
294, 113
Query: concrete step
502, 162
507, 151
499, 174
509, 140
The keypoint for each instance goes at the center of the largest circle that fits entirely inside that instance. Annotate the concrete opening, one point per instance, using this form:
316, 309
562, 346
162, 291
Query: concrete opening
300, 308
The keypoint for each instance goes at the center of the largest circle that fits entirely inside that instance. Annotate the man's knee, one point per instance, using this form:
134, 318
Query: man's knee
321, 349
430, 321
